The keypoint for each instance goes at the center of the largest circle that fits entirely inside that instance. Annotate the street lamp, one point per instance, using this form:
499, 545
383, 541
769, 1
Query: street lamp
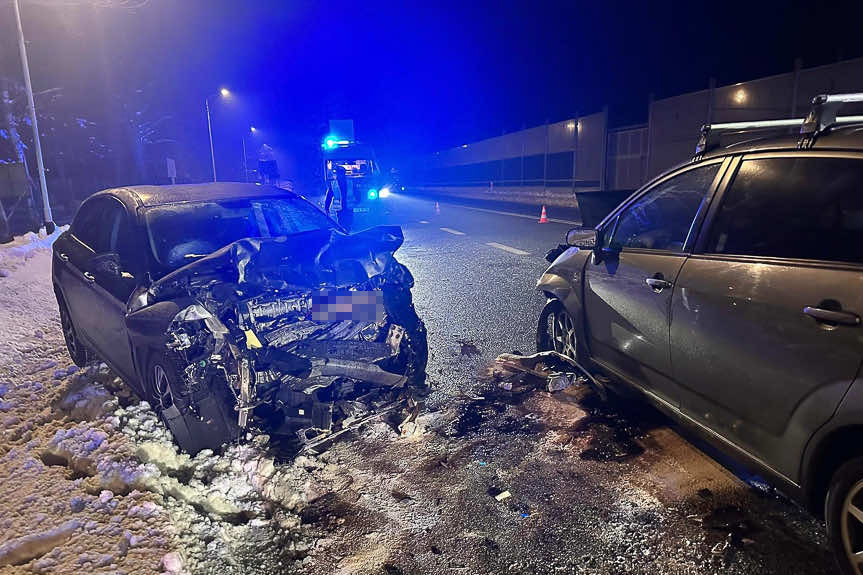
47, 218
224, 93
253, 130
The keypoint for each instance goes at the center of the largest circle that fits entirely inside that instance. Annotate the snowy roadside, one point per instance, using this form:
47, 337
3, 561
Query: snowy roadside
91, 478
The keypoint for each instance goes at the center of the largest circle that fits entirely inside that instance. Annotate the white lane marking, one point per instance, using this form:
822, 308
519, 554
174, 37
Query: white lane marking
423, 222
502, 213
453, 232
505, 248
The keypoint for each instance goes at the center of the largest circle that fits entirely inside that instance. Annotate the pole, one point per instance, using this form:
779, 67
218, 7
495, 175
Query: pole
210, 130
245, 169
47, 218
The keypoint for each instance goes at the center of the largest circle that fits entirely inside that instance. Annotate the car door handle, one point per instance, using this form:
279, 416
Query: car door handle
830, 316
63, 256
89, 277
657, 284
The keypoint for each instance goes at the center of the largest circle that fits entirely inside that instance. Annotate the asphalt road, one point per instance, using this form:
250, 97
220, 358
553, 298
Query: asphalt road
596, 488
476, 268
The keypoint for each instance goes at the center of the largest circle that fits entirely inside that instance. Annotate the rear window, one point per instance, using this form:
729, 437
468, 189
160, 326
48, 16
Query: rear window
180, 233
797, 208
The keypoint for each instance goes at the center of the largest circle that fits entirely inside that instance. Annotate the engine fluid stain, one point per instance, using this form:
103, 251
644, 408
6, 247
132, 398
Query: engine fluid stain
731, 520
614, 429
492, 412
468, 347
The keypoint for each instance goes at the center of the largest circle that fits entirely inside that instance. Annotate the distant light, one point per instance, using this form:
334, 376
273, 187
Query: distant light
385, 192
373, 193
464, 145
225, 92
330, 143
253, 129
740, 96
570, 126
403, 188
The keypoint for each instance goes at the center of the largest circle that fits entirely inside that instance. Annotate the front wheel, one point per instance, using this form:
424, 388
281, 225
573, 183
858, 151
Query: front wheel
199, 418
557, 330
844, 515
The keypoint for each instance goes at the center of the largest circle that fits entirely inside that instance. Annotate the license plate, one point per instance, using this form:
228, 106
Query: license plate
342, 305
360, 210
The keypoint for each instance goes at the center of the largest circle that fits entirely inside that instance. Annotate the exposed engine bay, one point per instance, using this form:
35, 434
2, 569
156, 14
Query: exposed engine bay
303, 336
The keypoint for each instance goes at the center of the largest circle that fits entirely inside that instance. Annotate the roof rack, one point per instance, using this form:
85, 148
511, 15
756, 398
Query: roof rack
822, 116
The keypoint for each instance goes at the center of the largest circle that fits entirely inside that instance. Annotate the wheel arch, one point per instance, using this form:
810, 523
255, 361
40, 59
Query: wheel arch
830, 452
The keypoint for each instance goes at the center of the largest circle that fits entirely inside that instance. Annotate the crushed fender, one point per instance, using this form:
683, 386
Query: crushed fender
306, 336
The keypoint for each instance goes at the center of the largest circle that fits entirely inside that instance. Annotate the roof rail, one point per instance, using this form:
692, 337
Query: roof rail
822, 115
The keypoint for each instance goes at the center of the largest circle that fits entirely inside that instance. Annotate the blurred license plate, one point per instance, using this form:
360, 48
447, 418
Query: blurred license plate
340, 305
360, 210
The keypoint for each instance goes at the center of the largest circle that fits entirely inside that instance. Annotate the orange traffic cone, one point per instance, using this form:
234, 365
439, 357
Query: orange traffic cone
543, 217
437, 209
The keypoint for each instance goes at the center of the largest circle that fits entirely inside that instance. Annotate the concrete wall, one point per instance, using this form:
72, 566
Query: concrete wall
675, 123
549, 163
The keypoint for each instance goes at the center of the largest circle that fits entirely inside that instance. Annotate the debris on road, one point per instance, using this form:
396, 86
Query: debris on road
549, 369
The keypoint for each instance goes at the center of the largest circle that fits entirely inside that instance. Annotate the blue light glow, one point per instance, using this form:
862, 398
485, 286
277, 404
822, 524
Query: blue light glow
373, 193
385, 192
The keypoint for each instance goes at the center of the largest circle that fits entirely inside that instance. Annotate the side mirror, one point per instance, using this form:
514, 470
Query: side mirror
581, 238
108, 265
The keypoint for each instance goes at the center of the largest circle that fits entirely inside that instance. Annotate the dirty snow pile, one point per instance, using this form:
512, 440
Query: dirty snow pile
22, 248
93, 482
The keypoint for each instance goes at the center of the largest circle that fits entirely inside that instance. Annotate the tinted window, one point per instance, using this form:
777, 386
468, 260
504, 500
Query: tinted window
661, 218
97, 224
801, 208
182, 232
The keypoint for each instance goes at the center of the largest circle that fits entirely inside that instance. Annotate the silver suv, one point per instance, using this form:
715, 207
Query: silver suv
729, 291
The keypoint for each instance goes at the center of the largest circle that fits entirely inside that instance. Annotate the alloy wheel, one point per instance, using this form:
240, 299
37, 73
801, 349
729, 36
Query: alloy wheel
852, 527
162, 388
68, 333
563, 336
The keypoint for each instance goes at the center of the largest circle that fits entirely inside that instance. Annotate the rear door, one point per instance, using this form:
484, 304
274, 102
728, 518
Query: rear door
765, 328
628, 293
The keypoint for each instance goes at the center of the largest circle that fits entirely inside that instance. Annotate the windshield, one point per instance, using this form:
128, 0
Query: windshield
180, 233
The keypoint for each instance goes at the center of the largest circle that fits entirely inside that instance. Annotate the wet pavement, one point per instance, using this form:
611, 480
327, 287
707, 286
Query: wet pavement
534, 482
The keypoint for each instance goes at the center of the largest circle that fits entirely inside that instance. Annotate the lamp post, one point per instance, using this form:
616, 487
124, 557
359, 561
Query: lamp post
252, 130
224, 93
47, 217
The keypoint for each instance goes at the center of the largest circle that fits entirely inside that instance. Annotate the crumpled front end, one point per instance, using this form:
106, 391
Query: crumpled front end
303, 337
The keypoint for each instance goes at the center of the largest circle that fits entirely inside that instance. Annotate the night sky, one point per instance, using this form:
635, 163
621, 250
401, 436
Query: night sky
415, 76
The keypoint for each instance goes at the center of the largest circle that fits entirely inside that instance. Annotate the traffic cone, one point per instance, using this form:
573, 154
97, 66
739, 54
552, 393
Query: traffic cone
543, 217
437, 209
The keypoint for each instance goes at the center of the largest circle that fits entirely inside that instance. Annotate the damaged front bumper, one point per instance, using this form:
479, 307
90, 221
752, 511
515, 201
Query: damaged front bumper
299, 341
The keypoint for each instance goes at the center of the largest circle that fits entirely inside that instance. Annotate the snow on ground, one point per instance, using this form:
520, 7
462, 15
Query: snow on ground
93, 485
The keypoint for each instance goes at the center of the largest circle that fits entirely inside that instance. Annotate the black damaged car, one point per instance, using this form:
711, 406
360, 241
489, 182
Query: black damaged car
233, 307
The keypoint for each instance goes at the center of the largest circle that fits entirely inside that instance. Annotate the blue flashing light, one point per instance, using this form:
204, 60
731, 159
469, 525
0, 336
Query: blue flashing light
373, 193
330, 142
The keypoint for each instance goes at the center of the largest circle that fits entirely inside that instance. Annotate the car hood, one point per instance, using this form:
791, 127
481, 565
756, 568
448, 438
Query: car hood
313, 259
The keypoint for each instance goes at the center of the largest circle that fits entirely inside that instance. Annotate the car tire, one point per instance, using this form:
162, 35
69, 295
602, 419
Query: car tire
198, 419
81, 355
844, 515
557, 331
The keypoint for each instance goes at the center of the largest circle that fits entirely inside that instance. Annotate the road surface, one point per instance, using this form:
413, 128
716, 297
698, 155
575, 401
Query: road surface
488, 483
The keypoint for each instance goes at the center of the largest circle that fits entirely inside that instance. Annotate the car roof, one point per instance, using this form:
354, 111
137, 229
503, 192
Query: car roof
147, 196
847, 137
